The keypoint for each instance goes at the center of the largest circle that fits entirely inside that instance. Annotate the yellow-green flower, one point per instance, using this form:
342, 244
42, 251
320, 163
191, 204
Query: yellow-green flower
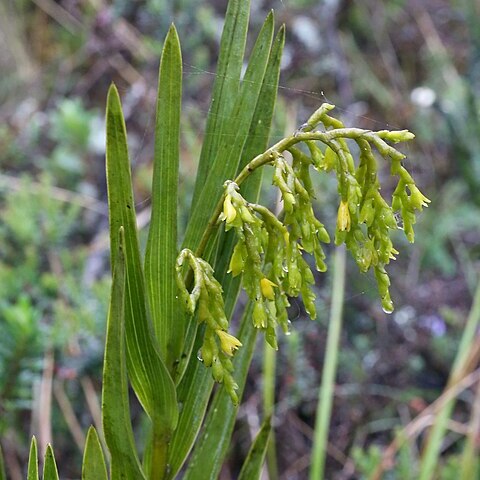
237, 262
266, 287
343, 217
229, 212
417, 198
228, 342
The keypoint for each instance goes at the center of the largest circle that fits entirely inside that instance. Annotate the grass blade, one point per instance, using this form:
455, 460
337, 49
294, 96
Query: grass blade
190, 395
435, 437
325, 398
33, 461
116, 410
252, 467
147, 372
50, 471
93, 465
231, 145
161, 249
225, 88
234, 135
212, 445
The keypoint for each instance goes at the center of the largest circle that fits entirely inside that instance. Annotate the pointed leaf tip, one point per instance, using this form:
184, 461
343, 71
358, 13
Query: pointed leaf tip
112, 90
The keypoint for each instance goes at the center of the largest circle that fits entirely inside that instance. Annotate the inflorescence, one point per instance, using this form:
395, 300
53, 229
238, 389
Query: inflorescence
269, 252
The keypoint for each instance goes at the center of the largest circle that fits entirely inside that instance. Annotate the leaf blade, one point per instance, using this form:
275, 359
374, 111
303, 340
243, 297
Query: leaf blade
50, 471
93, 465
148, 374
212, 445
197, 374
32, 471
233, 138
252, 467
161, 251
116, 407
225, 88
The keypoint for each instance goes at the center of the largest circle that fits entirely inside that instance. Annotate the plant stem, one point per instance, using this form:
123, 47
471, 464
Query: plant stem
435, 437
325, 398
269, 367
159, 457
274, 151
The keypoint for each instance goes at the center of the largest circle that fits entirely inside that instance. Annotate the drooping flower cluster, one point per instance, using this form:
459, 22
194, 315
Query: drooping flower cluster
364, 219
269, 250
206, 297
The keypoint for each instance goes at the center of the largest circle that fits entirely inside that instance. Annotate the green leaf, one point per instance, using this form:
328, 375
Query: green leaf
232, 140
195, 388
147, 372
33, 461
212, 446
93, 465
225, 88
257, 143
252, 468
193, 394
161, 249
50, 471
116, 407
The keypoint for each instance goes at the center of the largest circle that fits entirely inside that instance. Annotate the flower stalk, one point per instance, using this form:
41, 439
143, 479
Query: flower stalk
270, 252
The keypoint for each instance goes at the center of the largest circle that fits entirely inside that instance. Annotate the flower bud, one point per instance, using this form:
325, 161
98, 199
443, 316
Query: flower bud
259, 315
229, 212
266, 287
246, 215
217, 371
323, 235
237, 262
294, 277
330, 160
207, 356
343, 217
230, 387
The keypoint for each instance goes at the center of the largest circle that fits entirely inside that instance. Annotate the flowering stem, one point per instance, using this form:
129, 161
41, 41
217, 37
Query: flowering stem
275, 150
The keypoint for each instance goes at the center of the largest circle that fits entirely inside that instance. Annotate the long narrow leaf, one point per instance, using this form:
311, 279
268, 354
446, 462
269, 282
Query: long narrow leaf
195, 388
193, 393
32, 473
148, 374
50, 471
209, 453
93, 465
233, 139
252, 467
116, 410
435, 437
161, 250
212, 445
225, 88
256, 143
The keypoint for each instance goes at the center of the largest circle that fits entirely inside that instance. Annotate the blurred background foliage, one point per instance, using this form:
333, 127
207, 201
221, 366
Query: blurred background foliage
393, 64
